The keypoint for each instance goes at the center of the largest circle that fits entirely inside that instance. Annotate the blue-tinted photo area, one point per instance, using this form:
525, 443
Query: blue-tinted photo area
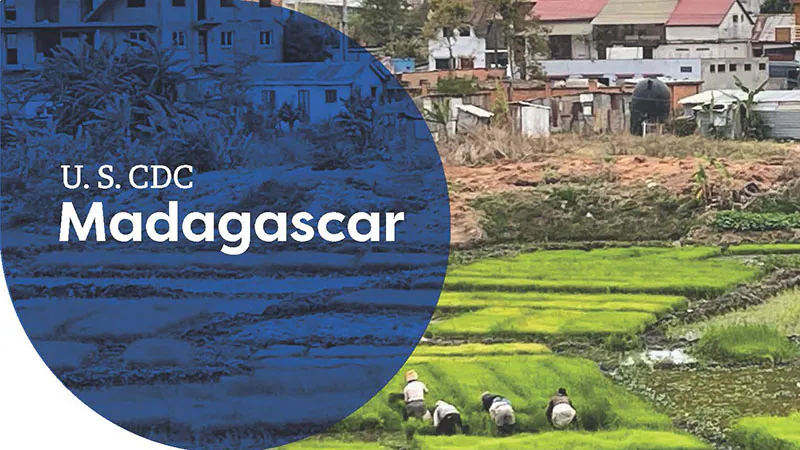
275, 112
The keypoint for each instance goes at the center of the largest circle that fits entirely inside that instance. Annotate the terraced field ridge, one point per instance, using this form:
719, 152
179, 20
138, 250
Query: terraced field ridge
580, 293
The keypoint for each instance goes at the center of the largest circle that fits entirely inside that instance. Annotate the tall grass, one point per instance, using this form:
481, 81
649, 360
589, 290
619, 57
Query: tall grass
746, 344
767, 433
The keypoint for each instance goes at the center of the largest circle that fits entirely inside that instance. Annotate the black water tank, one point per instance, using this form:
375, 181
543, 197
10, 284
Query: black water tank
650, 102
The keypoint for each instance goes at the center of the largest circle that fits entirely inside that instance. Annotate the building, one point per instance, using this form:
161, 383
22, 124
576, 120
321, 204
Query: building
203, 31
777, 36
633, 23
778, 110
477, 44
319, 89
708, 29
570, 26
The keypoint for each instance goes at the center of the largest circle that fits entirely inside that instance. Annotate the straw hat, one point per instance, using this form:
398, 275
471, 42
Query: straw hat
411, 375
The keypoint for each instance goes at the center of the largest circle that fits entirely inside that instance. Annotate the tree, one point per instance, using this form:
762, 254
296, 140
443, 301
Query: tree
776, 6
307, 40
439, 113
525, 36
382, 21
447, 16
752, 124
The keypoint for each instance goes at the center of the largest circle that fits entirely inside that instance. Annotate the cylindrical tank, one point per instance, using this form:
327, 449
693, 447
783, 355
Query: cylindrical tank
650, 103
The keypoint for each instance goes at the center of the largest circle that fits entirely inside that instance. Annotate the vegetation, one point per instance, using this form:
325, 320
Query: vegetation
781, 312
527, 379
580, 211
767, 433
745, 344
749, 221
449, 15
607, 440
457, 86
776, 6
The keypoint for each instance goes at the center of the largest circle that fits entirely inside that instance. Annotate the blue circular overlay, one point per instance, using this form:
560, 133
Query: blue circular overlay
223, 225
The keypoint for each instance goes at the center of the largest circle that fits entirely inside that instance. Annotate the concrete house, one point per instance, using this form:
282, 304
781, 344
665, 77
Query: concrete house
203, 31
778, 35
477, 44
570, 26
318, 89
708, 29
634, 27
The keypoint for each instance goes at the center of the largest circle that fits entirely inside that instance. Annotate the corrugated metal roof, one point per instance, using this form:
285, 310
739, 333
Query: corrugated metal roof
635, 12
476, 111
700, 12
764, 29
563, 10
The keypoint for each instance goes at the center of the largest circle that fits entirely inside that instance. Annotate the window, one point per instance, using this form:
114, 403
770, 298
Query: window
686, 69
647, 53
447, 32
11, 14
178, 3
748, 67
268, 99
762, 66
735, 18
226, 39
179, 39
733, 68
138, 35
264, 3
713, 68
265, 38
137, 3
464, 32
12, 53
330, 96
226, 3
721, 68
561, 47
681, 49
373, 91
442, 63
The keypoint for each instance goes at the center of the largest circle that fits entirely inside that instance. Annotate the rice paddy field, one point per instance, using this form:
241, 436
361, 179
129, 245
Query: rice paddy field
570, 293
533, 300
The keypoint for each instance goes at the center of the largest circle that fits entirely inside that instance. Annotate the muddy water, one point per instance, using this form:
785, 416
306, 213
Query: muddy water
708, 401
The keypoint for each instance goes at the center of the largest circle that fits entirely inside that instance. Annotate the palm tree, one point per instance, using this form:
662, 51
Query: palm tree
439, 113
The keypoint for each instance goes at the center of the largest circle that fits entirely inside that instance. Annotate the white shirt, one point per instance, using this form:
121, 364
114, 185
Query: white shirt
441, 411
415, 391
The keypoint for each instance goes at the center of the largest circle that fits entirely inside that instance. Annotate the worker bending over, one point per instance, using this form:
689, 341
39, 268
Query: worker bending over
447, 419
560, 412
500, 411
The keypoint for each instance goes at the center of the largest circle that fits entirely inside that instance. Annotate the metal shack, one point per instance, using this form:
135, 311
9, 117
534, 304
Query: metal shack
529, 119
779, 110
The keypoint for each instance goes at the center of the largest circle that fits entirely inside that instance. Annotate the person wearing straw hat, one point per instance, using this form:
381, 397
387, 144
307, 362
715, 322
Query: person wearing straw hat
560, 412
414, 396
501, 412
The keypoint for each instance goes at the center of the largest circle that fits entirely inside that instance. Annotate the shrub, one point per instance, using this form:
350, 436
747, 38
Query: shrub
747, 221
767, 433
745, 344
457, 86
683, 126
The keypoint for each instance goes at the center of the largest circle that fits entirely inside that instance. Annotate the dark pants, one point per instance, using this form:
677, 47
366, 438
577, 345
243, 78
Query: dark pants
415, 409
447, 426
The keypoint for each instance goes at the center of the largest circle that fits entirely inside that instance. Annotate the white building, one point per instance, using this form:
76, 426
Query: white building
570, 26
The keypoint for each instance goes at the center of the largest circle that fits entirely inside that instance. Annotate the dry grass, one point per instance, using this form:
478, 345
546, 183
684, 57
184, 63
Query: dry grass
487, 145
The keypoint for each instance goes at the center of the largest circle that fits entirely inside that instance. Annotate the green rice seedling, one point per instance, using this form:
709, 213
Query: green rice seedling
520, 322
763, 249
781, 312
544, 300
517, 348
610, 440
767, 433
746, 344
528, 380
675, 271
332, 444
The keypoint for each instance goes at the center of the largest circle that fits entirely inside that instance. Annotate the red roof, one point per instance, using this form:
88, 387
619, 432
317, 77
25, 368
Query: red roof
555, 10
700, 12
